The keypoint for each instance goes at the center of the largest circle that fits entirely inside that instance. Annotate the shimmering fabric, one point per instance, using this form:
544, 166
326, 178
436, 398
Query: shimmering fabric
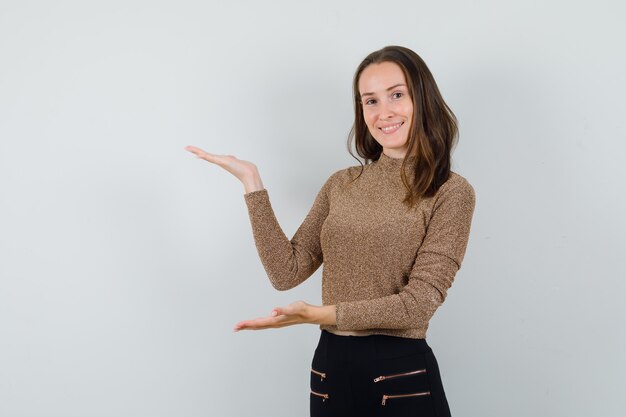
387, 268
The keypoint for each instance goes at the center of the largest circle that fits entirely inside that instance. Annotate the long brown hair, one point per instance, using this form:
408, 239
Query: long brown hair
433, 132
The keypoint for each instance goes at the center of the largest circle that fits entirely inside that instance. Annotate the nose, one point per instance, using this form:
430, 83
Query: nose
386, 111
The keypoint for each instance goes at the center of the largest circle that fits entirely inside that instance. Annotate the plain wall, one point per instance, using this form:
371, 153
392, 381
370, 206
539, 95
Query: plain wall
125, 261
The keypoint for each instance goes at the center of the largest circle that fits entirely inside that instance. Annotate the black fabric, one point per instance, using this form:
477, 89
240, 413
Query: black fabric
350, 364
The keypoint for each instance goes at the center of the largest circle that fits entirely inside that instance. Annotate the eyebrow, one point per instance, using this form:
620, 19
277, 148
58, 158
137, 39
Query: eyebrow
390, 88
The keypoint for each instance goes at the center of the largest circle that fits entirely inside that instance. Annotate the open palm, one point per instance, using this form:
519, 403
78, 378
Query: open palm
294, 313
238, 167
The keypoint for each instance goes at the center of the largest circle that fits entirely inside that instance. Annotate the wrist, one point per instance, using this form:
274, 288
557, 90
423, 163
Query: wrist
326, 315
252, 181
252, 185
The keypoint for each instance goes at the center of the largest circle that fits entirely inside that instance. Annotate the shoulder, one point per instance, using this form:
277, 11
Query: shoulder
459, 183
456, 191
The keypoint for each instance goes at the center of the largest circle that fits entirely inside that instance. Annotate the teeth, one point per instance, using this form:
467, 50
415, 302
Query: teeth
390, 128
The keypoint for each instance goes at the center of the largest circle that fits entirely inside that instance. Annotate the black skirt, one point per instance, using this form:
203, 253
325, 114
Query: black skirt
375, 375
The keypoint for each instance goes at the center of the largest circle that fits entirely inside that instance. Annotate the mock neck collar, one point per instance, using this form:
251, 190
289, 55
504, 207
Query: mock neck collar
393, 164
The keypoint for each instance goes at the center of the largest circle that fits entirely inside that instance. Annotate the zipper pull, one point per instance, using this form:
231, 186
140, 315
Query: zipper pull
384, 399
321, 374
380, 378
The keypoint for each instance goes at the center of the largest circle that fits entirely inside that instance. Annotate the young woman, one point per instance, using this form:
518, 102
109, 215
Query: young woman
391, 234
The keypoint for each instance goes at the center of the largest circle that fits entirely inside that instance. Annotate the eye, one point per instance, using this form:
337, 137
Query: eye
397, 94
369, 101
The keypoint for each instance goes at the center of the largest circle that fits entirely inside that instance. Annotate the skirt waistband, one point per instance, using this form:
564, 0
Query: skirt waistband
376, 344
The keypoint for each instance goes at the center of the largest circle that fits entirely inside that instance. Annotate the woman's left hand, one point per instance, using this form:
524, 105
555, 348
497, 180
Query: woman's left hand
297, 312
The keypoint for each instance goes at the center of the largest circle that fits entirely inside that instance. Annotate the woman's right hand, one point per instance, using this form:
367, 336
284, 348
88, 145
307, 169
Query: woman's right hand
245, 171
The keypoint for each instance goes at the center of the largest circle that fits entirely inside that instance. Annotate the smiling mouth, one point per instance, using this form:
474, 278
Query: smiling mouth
391, 129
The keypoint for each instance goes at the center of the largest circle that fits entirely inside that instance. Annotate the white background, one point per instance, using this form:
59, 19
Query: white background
125, 261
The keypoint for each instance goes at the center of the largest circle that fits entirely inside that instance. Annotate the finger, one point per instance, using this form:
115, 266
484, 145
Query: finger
287, 310
283, 311
221, 160
267, 322
194, 149
248, 324
201, 153
259, 322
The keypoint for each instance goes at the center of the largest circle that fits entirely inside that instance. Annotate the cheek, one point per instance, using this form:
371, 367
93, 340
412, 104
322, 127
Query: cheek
408, 110
369, 118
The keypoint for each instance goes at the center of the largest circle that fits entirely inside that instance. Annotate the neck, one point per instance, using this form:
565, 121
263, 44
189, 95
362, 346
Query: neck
395, 154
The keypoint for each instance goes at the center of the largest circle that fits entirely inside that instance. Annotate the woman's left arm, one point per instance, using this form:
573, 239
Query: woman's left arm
436, 264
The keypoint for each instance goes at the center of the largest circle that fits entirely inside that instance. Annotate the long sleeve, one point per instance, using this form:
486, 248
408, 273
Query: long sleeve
288, 262
437, 261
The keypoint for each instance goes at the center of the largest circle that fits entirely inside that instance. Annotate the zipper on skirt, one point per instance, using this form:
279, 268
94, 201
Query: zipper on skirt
416, 394
323, 396
321, 374
383, 377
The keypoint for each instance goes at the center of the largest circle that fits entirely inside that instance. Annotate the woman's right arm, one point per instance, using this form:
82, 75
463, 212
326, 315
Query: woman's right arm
288, 262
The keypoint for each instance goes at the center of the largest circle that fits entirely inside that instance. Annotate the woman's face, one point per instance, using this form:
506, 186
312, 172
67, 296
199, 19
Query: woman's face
387, 106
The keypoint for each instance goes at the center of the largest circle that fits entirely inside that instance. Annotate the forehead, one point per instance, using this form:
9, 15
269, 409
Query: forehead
377, 78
